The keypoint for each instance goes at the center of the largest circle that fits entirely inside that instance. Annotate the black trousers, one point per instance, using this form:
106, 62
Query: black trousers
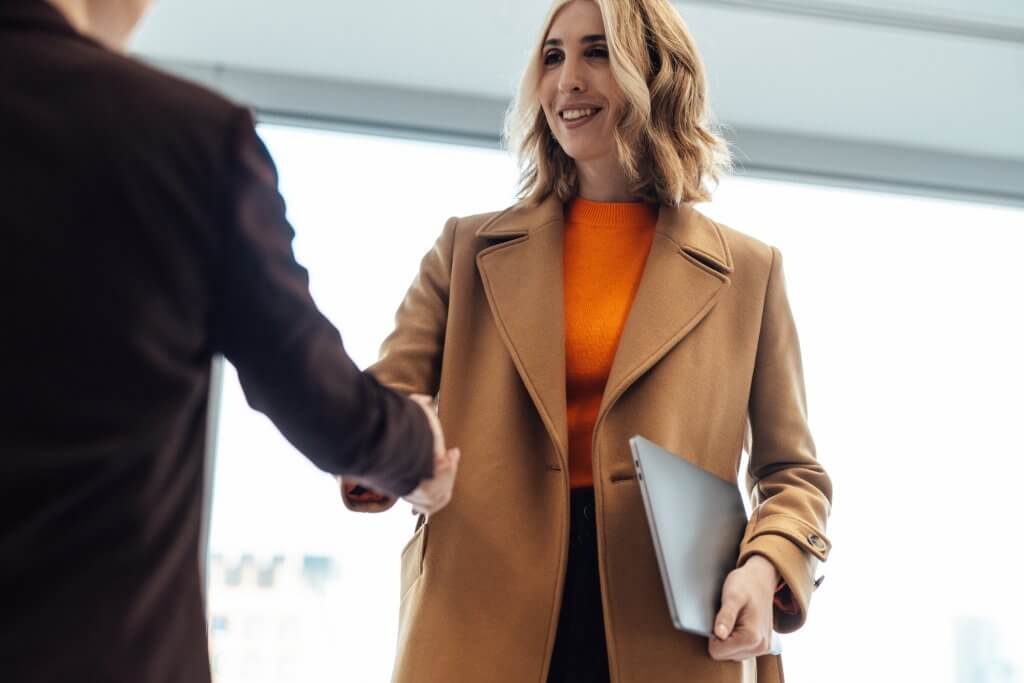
581, 654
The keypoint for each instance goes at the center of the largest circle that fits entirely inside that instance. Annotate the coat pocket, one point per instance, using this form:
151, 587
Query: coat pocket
412, 556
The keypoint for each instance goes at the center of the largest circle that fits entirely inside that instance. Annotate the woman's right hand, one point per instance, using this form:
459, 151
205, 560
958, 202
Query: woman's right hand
433, 494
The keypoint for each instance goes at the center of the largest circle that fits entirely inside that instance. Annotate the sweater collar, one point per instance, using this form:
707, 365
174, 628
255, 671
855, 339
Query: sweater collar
630, 215
689, 229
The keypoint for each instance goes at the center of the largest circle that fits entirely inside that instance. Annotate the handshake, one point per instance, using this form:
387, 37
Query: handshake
432, 494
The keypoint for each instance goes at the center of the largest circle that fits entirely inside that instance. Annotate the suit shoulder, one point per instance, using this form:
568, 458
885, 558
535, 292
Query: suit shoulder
165, 95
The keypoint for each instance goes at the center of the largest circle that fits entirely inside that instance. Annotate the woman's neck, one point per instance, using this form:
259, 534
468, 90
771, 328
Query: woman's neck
604, 181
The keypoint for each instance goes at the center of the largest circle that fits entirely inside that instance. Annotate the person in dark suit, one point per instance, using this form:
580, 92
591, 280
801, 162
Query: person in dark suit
143, 233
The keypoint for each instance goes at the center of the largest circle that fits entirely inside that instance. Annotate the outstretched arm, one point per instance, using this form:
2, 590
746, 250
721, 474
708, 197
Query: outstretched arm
289, 357
410, 359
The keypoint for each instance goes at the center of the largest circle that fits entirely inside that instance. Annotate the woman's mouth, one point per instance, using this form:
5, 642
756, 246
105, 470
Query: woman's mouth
578, 116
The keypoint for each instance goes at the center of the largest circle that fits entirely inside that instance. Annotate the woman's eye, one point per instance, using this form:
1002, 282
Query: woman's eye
552, 57
598, 52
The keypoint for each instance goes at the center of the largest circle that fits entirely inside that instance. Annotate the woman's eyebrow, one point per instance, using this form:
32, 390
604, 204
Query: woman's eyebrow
586, 40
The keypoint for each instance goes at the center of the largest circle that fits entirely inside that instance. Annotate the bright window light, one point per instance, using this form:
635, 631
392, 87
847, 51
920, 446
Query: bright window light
910, 319
912, 331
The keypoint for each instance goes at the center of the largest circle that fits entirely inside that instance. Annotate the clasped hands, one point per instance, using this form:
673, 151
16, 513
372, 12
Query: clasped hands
434, 493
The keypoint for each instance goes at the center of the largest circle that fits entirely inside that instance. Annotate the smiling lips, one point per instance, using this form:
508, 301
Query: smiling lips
578, 116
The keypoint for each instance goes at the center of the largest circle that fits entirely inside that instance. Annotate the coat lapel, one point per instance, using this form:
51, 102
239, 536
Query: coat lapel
522, 277
686, 272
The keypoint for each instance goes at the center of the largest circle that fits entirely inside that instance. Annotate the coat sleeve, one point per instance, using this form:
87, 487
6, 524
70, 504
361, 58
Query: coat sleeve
790, 492
290, 359
410, 357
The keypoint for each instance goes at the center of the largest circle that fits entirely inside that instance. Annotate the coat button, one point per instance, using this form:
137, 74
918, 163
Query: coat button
588, 512
815, 540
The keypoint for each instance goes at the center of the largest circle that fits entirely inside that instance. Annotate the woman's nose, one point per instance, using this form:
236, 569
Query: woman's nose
571, 81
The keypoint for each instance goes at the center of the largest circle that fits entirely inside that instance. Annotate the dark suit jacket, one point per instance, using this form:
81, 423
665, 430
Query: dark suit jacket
141, 233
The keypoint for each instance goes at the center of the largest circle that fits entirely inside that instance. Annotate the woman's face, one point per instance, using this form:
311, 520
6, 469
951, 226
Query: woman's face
580, 99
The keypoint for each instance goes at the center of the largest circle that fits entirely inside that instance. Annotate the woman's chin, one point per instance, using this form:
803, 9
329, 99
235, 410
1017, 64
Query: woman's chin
588, 155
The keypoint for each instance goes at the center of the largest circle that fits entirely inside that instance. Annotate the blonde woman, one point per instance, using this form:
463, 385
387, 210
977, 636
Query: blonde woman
601, 306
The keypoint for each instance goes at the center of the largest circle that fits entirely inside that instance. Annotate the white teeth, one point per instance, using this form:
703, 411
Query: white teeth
574, 114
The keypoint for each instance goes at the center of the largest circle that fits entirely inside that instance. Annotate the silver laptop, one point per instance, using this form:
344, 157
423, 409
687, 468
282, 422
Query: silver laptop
697, 521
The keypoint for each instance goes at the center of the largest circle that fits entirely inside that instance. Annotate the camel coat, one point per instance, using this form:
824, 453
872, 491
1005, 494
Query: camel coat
708, 364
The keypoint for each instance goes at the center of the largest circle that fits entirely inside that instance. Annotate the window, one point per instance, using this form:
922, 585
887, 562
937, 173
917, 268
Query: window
910, 319
911, 325
309, 589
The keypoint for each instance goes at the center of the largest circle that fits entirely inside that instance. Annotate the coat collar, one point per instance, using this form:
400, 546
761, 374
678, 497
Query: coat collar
693, 232
685, 274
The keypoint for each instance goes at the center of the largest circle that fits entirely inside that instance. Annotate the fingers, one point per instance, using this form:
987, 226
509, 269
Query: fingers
422, 504
449, 462
435, 493
741, 628
427, 404
447, 480
742, 644
725, 621
432, 495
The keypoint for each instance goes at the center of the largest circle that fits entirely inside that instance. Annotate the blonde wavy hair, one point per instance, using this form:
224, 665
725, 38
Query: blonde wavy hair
666, 140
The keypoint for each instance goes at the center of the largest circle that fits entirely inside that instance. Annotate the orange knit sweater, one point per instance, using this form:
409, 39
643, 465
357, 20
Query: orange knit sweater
606, 247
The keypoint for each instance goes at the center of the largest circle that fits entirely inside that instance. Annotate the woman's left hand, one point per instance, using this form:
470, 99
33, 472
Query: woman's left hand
743, 626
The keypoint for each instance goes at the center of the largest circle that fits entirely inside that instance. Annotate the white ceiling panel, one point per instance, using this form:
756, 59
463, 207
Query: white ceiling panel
863, 82
994, 10
768, 69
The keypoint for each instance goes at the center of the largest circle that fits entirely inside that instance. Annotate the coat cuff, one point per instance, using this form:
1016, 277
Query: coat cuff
795, 550
784, 601
360, 498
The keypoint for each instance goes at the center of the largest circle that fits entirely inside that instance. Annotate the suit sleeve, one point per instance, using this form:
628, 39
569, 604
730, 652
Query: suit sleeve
289, 358
790, 492
410, 357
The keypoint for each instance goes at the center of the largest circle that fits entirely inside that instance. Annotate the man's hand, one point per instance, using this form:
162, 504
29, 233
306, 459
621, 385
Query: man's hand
433, 494
743, 626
